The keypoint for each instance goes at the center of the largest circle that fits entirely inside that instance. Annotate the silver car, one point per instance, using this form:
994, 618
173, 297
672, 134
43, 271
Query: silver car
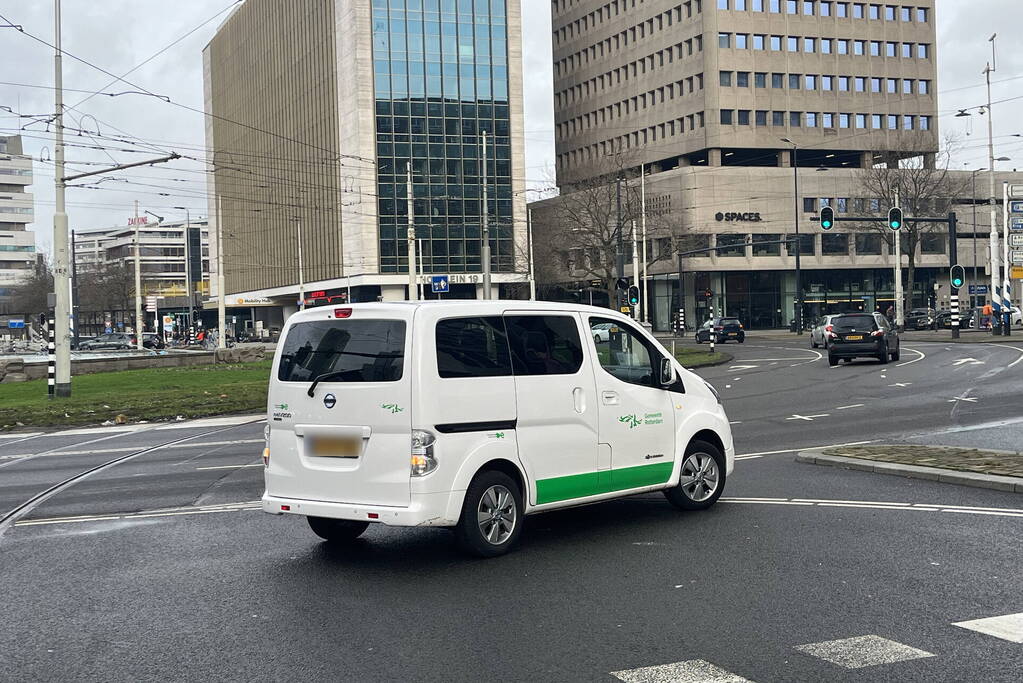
819, 333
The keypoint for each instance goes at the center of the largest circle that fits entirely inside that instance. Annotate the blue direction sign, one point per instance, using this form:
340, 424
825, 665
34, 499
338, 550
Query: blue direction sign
439, 284
1016, 224
15, 324
978, 289
1015, 207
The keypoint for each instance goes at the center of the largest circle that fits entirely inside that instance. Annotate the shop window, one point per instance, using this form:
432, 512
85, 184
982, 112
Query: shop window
760, 249
735, 245
834, 244
868, 244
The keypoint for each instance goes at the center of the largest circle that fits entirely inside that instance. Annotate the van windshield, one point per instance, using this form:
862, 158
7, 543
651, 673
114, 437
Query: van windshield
357, 350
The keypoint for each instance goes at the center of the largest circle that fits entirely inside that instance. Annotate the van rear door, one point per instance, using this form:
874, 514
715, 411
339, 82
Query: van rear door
350, 441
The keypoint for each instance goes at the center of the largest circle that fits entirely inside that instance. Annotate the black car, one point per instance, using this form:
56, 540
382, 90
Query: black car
921, 319
113, 340
862, 335
151, 340
722, 330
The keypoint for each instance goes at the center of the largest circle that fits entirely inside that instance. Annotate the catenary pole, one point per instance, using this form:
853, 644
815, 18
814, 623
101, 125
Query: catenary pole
485, 250
898, 272
138, 281
410, 234
993, 234
221, 294
529, 241
61, 280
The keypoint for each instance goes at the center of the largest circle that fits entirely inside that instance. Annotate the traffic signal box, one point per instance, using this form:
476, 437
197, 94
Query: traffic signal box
895, 218
827, 217
957, 276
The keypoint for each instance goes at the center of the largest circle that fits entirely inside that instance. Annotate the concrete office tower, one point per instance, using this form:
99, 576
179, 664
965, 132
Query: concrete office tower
315, 109
698, 94
17, 244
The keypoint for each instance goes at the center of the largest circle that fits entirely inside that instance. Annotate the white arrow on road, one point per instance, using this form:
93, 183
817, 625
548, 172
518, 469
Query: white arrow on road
971, 361
743, 367
808, 418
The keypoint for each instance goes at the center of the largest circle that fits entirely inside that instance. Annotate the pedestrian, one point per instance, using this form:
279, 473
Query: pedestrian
890, 314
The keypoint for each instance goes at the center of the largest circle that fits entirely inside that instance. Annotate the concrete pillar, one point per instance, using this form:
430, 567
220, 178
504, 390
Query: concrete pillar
866, 159
929, 161
394, 292
684, 161
714, 156
785, 158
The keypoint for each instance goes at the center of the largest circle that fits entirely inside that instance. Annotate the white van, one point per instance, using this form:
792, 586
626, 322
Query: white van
472, 414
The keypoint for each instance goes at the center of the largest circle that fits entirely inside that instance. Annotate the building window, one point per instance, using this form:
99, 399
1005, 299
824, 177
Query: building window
809, 45
805, 243
775, 6
907, 50
834, 244
843, 83
861, 120
811, 119
735, 245
925, 123
724, 40
875, 121
793, 81
809, 205
722, 4
842, 9
791, 7
760, 80
907, 122
843, 120
776, 43
893, 85
758, 5
893, 122
761, 117
825, 46
827, 120
842, 205
777, 118
827, 82
868, 245
890, 50
921, 15
741, 41
843, 46
793, 44
907, 13
932, 243
726, 78
761, 249
858, 10
810, 82
808, 7
923, 87
825, 8
858, 46
922, 51
778, 80
742, 79
795, 118
875, 12
875, 48
875, 85
744, 117
726, 117
758, 41
889, 13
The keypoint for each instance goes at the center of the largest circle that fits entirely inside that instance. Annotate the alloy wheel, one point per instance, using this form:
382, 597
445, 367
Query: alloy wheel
700, 476
496, 514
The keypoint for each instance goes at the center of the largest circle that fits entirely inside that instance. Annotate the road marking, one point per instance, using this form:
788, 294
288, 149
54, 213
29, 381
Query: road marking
124, 449
915, 360
862, 651
742, 367
735, 422
748, 457
900, 384
230, 467
809, 448
1008, 627
971, 361
970, 399
854, 405
881, 505
690, 671
20, 435
808, 418
165, 512
1016, 348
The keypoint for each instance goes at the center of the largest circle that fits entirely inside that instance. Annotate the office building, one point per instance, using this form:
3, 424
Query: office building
17, 243
713, 101
318, 108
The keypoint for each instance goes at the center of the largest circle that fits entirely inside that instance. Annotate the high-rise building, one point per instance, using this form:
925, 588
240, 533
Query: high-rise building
17, 244
707, 104
317, 110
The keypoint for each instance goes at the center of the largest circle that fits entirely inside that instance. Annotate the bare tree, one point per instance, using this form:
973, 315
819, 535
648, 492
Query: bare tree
920, 188
29, 296
107, 287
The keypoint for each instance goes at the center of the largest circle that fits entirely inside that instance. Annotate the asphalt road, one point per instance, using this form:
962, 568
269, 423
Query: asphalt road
167, 572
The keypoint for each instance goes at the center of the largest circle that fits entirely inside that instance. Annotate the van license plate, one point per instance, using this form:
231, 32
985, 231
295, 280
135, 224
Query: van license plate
334, 447
854, 337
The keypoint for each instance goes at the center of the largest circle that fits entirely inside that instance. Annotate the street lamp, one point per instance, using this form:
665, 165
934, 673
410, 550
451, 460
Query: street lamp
188, 261
799, 246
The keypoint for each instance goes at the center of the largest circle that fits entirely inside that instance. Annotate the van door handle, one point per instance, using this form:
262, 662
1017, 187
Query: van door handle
610, 398
579, 398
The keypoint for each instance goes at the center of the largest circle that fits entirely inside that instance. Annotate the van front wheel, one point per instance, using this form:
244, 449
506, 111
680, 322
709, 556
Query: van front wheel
336, 530
701, 480
491, 518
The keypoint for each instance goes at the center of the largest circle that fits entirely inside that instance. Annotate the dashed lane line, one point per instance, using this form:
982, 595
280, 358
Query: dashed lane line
877, 505
854, 405
165, 512
808, 448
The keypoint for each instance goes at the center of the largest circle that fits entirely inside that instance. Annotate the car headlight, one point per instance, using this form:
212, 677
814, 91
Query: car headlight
713, 391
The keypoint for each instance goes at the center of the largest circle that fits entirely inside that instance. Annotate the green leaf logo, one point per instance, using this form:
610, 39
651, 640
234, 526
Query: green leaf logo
631, 420
393, 407
280, 406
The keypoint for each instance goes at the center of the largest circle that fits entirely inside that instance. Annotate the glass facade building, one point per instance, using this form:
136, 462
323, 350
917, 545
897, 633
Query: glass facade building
440, 81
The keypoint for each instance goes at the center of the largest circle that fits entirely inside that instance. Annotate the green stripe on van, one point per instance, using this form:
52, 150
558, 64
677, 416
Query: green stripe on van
605, 481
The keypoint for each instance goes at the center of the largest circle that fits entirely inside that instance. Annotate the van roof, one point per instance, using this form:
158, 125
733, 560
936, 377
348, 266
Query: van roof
404, 308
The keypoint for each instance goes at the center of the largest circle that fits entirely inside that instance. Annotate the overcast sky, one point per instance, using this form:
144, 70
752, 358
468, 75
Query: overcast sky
118, 35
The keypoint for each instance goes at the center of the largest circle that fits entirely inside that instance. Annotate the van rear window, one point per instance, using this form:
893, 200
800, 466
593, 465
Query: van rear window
357, 350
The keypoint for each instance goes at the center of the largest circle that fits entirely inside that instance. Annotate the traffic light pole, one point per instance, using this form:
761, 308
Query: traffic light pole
953, 260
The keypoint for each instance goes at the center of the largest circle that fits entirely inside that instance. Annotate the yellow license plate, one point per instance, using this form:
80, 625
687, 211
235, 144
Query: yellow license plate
335, 446
854, 337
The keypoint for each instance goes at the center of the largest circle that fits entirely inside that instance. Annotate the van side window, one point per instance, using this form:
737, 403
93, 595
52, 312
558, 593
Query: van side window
472, 347
544, 344
623, 352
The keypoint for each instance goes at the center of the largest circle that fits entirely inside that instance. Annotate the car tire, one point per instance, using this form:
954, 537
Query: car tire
494, 496
813, 344
702, 464
697, 339
896, 354
336, 530
832, 361
742, 338
882, 357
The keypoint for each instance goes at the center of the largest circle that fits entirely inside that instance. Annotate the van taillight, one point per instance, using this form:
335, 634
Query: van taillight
342, 313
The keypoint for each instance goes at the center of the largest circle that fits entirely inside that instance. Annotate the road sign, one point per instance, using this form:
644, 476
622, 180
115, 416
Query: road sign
1016, 224
1015, 207
1016, 240
1016, 272
15, 324
439, 284
1016, 191
151, 304
1016, 257
978, 289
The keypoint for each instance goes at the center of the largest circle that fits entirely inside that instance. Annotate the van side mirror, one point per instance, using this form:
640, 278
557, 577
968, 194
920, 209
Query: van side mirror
667, 374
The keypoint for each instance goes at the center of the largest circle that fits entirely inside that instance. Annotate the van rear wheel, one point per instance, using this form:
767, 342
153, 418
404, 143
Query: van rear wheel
336, 530
701, 480
491, 518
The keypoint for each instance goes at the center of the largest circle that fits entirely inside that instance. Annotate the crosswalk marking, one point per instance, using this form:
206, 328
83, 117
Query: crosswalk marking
862, 651
1008, 627
690, 671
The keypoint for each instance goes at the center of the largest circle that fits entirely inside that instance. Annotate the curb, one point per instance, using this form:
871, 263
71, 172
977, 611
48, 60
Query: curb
728, 358
974, 479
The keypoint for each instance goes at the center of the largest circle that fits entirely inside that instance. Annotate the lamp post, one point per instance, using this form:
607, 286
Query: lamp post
799, 245
188, 261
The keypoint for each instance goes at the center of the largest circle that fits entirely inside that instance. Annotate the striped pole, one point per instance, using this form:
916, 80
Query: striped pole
712, 333
681, 322
51, 357
953, 305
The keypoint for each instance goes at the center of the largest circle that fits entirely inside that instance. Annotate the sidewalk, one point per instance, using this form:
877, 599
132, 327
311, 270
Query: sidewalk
1001, 470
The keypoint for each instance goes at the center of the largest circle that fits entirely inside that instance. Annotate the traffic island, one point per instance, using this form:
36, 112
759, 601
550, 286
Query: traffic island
700, 358
999, 470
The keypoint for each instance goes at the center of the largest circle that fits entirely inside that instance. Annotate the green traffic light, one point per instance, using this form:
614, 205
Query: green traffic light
895, 224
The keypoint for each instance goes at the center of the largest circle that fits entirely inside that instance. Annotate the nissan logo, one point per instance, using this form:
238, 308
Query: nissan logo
329, 400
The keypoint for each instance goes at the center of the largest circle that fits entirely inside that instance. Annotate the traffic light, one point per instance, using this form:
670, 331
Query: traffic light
957, 276
895, 218
827, 217
633, 295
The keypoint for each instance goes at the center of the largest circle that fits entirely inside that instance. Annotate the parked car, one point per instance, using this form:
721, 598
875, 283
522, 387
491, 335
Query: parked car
602, 332
82, 339
722, 329
943, 320
818, 335
920, 319
151, 340
472, 416
862, 335
112, 340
